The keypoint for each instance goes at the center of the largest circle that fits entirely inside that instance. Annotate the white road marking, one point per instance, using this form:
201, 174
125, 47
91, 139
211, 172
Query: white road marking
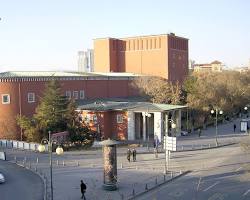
211, 186
238, 169
246, 192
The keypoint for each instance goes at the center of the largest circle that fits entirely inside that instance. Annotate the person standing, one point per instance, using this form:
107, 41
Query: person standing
234, 127
128, 154
134, 155
156, 144
83, 190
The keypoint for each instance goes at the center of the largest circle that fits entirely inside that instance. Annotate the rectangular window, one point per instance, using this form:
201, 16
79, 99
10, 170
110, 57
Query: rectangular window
82, 94
68, 94
119, 118
75, 94
5, 99
31, 97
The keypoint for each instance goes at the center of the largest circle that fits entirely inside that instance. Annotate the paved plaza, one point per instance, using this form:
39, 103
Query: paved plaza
133, 177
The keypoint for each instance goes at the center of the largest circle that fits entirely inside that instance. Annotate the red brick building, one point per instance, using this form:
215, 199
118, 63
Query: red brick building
20, 92
155, 55
131, 120
116, 63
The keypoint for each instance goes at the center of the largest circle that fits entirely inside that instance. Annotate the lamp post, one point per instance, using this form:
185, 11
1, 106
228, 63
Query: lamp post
59, 151
245, 109
167, 152
216, 111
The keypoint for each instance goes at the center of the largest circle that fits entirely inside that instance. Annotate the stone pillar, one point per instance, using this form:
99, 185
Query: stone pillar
178, 121
109, 165
144, 127
131, 125
166, 123
158, 125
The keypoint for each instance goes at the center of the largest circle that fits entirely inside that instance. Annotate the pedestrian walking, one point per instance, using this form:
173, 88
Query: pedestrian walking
83, 189
156, 144
134, 155
128, 154
234, 127
199, 132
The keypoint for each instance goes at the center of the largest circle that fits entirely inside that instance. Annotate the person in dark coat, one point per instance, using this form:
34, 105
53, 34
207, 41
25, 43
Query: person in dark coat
134, 155
128, 154
83, 190
234, 127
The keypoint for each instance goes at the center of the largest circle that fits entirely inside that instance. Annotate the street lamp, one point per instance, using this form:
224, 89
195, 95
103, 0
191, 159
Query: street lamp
167, 152
216, 112
59, 151
245, 109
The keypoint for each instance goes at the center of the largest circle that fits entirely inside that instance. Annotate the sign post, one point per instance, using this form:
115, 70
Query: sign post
170, 144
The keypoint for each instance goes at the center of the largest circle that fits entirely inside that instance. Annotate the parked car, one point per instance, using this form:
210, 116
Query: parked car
184, 133
2, 179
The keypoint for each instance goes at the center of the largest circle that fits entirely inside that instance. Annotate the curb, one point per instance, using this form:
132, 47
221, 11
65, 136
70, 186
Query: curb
155, 187
36, 173
195, 149
206, 148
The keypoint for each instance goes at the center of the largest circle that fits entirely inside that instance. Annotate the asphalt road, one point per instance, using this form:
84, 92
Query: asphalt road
20, 183
218, 174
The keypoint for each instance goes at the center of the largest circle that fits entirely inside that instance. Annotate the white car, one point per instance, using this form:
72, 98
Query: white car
184, 133
2, 179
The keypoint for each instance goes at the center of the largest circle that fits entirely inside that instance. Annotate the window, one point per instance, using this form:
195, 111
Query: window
119, 118
81, 94
95, 119
31, 97
75, 94
5, 99
68, 94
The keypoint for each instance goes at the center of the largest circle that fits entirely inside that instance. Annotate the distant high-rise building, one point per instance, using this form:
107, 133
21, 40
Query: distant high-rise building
85, 60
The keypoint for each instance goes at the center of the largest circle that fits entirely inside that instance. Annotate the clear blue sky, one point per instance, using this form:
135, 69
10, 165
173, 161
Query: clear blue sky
47, 34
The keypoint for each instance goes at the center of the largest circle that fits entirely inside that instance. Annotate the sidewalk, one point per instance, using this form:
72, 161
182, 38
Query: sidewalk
133, 177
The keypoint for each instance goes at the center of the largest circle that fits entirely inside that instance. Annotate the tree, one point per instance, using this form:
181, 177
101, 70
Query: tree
50, 113
159, 90
54, 113
229, 91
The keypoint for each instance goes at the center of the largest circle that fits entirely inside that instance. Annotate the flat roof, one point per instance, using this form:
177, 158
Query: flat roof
35, 74
141, 36
129, 105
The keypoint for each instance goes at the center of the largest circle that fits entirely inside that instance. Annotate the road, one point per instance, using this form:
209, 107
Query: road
218, 174
20, 183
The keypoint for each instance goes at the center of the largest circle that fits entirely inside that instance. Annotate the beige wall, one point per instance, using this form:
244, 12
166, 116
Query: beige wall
101, 55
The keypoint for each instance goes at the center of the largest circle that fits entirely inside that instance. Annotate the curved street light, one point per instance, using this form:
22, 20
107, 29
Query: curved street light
216, 111
59, 151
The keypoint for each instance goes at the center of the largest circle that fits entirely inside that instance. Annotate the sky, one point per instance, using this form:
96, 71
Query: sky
47, 34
